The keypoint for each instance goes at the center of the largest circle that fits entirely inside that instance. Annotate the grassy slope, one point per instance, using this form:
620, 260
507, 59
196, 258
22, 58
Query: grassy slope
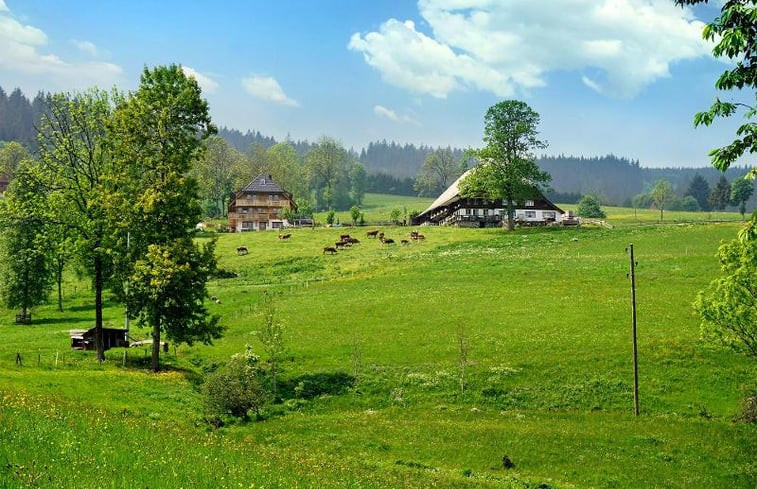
549, 380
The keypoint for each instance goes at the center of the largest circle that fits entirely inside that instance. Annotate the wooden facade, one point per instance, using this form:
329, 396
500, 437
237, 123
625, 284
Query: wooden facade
84, 339
450, 209
260, 206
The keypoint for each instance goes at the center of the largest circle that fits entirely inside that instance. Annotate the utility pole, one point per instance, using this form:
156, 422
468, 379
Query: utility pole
632, 276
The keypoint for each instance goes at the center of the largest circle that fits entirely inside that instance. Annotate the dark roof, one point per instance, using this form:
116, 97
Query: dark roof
263, 184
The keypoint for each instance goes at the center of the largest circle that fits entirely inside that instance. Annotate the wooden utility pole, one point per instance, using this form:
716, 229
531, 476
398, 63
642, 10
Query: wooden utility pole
632, 276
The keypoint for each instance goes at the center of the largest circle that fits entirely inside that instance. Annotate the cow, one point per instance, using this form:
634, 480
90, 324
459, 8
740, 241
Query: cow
372, 234
387, 240
242, 250
353, 240
404, 242
344, 237
329, 249
285, 236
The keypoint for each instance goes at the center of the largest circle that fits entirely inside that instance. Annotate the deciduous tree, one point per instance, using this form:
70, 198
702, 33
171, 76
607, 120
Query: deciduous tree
589, 206
741, 190
157, 136
217, 172
327, 166
439, 170
507, 168
720, 196
662, 193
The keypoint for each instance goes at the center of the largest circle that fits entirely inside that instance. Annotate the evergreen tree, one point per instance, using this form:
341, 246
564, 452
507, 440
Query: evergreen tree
741, 190
720, 196
700, 190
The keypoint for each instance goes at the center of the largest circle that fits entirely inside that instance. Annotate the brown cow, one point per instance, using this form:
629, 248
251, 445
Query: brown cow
329, 249
242, 250
285, 236
353, 240
404, 242
372, 234
341, 244
387, 240
344, 237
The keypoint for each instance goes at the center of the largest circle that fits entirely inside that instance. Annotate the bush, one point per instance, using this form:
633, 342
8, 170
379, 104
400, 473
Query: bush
330, 217
235, 389
589, 207
689, 203
748, 411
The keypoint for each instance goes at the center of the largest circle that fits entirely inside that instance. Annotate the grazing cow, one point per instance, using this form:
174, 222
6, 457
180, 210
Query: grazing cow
329, 249
387, 240
420, 236
404, 242
285, 236
340, 244
353, 240
242, 250
344, 237
372, 234
414, 234
381, 235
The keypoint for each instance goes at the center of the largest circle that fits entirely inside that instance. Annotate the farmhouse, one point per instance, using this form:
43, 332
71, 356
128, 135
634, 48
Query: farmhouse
260, 206
451, 209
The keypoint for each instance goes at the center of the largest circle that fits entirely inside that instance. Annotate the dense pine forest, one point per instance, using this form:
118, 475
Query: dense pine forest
393, 167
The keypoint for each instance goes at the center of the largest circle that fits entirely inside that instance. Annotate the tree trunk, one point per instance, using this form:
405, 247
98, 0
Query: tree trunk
510, 215
99, 308
59, 279
156, 345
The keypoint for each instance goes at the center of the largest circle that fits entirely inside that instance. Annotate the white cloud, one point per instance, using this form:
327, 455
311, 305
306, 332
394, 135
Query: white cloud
24, 62
85, 47
267, 88
382, 111
504, 47
207, 84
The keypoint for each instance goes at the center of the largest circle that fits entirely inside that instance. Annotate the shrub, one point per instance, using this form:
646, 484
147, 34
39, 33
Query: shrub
689, 203
235, 389
748, 411
330, 217
396, 216
589, 207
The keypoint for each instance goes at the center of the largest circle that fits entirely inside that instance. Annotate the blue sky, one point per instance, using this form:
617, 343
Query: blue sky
606, 76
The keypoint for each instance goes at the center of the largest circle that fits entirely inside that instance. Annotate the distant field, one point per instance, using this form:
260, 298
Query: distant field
371, 387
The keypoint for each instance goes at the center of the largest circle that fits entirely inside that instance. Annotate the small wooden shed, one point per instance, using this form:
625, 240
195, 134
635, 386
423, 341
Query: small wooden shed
84, 339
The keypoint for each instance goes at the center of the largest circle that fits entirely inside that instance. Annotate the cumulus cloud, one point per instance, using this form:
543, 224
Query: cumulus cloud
267, 88
24, 58
207, 84
386, 113
504, 47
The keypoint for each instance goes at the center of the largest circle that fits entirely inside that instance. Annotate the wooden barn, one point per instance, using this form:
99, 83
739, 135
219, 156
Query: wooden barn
84, 339
260, 206
450, 209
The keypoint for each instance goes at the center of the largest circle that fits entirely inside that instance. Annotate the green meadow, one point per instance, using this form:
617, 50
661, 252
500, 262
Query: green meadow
371, 392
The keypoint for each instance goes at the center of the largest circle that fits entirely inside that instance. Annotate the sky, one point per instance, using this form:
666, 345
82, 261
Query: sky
621, 77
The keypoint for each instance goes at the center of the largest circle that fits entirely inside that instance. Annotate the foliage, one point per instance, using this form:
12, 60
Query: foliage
327, 166
720, 196
157, 136
355, 214
396, 216
690, 203
728, 307
216, 174
358, 183
330, 217
589, 206
699, 189
236, 388
661, 194
76, 170
741, 190
26, 272
11, 156
734, 32
507, 168
271, 335
439, 170
286, 169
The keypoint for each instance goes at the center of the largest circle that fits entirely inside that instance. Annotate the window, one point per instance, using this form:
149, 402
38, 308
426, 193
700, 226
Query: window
530, 214
530, 203
549, 215
261, 210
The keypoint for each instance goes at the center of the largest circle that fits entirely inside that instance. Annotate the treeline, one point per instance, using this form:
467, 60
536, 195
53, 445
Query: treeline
19, 117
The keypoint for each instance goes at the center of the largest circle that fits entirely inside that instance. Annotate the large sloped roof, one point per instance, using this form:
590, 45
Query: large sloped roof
263, 184
448, 196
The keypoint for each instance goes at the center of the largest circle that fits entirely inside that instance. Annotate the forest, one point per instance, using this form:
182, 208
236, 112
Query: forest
396, 168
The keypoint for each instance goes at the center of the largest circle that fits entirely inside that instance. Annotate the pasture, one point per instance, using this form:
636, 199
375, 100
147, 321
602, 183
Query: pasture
371, 391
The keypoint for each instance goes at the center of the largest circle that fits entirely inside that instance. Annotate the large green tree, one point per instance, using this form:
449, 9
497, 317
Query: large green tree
26, 272
741, 190
700, 190
327, 165
439, 170
11, 156
507, 167
76, 172
157, 135
286, 168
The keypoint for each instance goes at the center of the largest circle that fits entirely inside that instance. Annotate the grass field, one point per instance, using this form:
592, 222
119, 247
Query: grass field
371, 385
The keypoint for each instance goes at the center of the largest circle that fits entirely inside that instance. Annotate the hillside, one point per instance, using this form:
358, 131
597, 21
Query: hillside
371, 392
